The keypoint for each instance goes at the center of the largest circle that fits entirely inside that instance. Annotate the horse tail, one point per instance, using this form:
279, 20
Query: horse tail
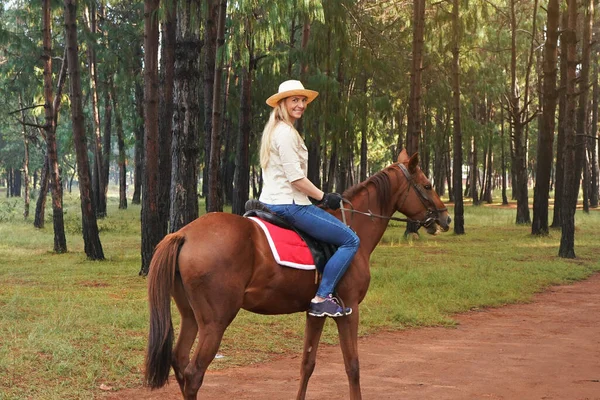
161, 277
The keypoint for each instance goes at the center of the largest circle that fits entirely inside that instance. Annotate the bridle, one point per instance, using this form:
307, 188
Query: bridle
431, 216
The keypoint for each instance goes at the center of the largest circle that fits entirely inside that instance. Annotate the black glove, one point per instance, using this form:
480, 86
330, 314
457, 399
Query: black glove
331, 200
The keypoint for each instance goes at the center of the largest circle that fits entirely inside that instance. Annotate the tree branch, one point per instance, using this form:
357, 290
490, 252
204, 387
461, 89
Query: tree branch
26, 108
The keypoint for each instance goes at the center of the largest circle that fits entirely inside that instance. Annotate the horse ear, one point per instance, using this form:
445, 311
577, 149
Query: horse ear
413, 163
403, 156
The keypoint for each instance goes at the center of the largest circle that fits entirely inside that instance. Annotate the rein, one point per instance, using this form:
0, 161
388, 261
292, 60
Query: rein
430, 217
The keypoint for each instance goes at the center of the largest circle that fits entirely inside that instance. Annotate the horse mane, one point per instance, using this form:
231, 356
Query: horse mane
382, 184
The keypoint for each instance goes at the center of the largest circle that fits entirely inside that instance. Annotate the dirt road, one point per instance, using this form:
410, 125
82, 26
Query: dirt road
548, 349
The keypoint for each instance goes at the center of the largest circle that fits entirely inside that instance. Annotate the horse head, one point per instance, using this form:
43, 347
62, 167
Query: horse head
419, 201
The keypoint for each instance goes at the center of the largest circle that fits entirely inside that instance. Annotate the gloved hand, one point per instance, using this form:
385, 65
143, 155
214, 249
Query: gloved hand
331, 200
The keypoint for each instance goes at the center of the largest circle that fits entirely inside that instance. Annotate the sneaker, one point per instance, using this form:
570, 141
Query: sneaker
327, 308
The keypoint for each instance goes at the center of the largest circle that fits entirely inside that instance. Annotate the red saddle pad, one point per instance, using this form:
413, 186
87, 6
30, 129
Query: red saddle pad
287, 246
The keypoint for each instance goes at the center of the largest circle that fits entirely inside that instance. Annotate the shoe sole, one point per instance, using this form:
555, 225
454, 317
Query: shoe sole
326, 314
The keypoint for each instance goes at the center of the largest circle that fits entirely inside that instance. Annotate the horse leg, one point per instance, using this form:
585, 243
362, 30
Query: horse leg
187, 333
209, 339
348, 334
312, 335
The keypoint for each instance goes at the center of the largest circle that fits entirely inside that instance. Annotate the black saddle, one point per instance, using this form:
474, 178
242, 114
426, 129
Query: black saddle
320, 251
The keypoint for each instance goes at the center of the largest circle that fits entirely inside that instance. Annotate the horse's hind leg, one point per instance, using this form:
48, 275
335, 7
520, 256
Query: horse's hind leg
209, 339
312, 335
348, 334
187, 333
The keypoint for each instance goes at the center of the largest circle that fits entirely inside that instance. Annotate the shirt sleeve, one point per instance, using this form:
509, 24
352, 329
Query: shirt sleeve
287, 144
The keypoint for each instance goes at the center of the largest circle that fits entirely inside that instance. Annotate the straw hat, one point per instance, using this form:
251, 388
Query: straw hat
291, 88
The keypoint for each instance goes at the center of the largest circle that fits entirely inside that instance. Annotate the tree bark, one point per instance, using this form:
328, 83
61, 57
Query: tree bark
546, 132
165, 135
91, 238
50, 112
151, 233
40, 207
98, 171
186, 124
414, 113
210, 48
215, 198
569, 39
459, 218
594, 137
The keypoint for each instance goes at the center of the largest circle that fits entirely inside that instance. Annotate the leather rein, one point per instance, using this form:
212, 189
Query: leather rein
431, 216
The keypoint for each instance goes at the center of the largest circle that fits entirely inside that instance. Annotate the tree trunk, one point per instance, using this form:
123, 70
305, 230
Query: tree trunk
210, 49
51, 112
165, 135
560, 138
91, 238
106, 139
569, 204
215, 199
122, 160
242, 161
582, 110
98, 171
546, 132
151, 233
186, 124
459, 218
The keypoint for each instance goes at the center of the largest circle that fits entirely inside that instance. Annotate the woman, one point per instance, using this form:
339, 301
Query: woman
288, 192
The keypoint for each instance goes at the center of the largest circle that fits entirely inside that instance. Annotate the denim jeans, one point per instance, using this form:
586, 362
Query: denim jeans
325, 227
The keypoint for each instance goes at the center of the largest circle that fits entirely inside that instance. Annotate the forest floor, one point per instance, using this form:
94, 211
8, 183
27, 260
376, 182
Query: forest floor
546, 349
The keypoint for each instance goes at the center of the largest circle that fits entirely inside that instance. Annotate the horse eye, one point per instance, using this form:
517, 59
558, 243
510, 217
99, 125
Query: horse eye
427, 187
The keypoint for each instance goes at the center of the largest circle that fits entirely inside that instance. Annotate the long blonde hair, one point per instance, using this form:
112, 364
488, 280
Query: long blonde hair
278, 114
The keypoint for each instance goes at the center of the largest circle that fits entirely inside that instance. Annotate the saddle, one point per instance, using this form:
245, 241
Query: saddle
320, 251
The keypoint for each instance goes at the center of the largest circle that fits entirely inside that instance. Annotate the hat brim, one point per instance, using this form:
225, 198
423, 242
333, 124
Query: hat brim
276, 98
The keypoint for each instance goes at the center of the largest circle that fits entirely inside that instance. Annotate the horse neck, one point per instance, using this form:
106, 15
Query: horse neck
370, 230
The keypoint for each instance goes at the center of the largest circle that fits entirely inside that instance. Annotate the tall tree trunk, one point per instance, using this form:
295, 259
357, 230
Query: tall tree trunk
474, 172
151, 233
520, 147
560, 138
51, 112
215, 198
242, 161
413, 132
98, 171
569, 204
459, 216
210, 49
186, 124
91, 238
165, 134
546, 132
122, 160
582, 110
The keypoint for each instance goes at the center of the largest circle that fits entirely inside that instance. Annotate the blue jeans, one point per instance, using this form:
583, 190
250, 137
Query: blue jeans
325, 227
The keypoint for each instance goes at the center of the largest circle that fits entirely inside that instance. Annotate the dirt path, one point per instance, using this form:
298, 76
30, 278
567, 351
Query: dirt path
549, 349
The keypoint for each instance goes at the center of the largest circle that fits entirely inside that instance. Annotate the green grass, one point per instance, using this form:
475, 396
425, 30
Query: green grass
68, 325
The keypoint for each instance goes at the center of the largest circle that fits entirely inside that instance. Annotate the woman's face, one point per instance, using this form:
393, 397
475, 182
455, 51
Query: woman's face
295, 106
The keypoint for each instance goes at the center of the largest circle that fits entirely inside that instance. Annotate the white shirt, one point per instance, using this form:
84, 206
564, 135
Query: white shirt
288, 162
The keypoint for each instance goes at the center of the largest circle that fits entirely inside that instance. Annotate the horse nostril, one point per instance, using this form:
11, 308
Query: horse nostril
449, 220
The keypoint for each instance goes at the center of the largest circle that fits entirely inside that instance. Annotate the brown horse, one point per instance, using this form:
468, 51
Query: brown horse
221, 263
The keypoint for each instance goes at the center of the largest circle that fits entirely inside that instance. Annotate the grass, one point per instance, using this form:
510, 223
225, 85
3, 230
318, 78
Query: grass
68, 325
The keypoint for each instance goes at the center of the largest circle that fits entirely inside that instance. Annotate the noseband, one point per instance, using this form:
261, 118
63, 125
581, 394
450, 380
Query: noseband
431, 216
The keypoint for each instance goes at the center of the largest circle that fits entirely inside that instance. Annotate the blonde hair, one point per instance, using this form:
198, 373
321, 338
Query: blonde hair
278, 114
